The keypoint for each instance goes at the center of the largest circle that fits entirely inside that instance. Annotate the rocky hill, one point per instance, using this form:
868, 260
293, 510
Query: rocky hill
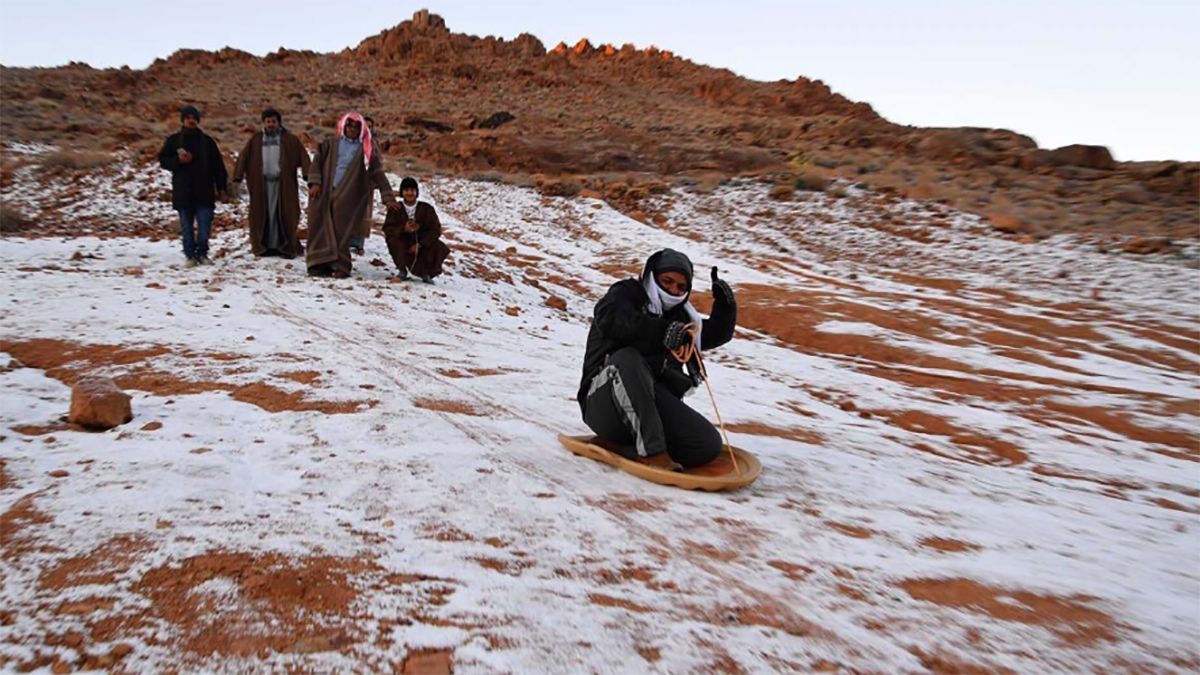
979, 433
607, 118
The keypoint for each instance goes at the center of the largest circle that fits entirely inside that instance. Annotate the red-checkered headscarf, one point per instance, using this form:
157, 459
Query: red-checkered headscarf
364, 135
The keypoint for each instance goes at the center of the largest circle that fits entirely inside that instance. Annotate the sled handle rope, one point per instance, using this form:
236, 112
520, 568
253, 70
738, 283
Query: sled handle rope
683, 354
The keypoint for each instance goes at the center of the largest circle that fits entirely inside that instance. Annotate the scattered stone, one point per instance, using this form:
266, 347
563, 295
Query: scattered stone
152, 426
431, 125
561, 188
781, 193
121, 650
376, 511
493, 121
58, 473
512, 310
1087, 156
98, 403
1007, 224
556, 302
1146, 245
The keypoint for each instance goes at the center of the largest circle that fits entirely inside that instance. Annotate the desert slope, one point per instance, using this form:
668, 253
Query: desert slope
980, 451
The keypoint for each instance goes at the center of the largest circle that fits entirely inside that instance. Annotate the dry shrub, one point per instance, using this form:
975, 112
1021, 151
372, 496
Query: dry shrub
76, 160
561, 188
13, 219
781, 193
811, 181
518, 179
485, 177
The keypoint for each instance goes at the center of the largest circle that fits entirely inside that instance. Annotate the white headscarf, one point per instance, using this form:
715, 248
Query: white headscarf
662, 301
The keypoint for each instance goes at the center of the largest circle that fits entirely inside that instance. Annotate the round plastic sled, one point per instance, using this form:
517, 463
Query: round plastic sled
719, 474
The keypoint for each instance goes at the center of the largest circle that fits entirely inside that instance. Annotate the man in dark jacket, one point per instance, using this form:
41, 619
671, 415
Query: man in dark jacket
197, 176
632, 385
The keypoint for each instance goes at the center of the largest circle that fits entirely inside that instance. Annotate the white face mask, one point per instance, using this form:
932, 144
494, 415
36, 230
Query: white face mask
668, 301
660, 300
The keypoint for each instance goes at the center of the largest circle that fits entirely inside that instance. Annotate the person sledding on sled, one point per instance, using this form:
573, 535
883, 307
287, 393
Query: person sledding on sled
632, 385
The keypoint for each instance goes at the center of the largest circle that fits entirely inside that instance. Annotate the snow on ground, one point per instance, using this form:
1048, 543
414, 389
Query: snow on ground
977, 452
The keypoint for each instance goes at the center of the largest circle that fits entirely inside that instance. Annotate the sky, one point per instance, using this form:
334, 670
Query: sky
1121, 74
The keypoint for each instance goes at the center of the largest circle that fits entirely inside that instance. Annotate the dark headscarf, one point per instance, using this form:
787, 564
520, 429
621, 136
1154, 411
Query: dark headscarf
189, 110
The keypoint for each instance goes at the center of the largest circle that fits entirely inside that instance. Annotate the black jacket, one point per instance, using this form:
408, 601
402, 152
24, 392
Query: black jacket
196, 183
621, 320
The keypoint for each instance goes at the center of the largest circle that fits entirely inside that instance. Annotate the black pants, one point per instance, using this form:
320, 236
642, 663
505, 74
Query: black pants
626, 405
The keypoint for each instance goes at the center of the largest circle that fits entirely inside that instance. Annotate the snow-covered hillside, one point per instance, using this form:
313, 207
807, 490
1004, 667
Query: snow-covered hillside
978, 452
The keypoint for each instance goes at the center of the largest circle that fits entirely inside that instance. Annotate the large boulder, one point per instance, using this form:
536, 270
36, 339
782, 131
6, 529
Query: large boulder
1087, 156
98, 403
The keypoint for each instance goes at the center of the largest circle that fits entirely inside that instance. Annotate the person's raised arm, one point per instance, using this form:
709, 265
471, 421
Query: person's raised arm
718, 327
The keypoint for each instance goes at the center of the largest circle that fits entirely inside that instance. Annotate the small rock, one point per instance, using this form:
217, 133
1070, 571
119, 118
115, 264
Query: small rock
58, 473
152, 426
556, 302
98, 403
376, 511
121, 650
512, 311
1145, 245
781, 193
73, 639
1007, 224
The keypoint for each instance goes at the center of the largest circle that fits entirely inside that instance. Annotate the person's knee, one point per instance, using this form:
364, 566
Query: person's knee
625, 357
703, 447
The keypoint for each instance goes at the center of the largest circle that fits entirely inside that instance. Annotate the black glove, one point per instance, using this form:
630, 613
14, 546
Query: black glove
720, 289
676, 335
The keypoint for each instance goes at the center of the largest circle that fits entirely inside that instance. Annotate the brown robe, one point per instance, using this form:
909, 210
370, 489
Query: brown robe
292, 156
363, 231
336, 211
426, 231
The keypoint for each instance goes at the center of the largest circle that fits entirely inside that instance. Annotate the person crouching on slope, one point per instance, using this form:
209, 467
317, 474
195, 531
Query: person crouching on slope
632, 385
414, 235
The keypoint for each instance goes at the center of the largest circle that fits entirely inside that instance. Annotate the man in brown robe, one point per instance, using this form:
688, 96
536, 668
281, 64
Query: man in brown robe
414, 235
363, 231
269, 162
344, 171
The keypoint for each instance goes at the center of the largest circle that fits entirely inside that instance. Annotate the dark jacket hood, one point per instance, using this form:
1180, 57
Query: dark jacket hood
668, 259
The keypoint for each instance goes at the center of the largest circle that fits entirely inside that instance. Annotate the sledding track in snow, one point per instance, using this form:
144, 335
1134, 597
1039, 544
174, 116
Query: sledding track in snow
979, 452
